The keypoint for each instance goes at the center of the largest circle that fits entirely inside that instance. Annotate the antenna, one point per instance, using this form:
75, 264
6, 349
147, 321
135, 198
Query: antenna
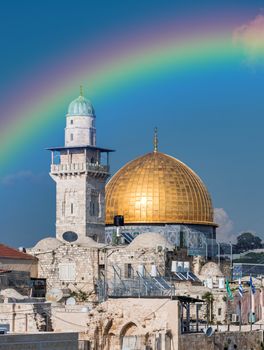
81, 90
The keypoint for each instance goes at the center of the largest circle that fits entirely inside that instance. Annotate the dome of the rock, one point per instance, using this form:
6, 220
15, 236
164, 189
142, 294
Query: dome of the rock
158, 189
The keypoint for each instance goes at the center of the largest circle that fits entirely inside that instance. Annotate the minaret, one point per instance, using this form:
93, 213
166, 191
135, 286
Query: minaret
80, 175
80, 123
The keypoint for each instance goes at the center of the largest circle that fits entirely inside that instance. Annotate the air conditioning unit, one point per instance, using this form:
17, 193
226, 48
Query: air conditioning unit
234, 318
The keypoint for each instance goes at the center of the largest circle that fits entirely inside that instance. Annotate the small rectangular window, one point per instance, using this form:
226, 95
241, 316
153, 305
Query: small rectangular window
71, 208
219, 312
71, 137
128, 271
71, 121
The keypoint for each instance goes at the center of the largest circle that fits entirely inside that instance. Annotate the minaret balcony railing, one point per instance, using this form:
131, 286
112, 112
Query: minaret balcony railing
79, 168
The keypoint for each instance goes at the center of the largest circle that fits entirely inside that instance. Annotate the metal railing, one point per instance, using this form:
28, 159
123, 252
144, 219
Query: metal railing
78, 167
136, 285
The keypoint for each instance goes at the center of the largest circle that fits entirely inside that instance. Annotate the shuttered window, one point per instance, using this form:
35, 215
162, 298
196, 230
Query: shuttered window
67, 272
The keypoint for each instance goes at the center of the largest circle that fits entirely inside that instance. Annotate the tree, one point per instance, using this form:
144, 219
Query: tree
247, 241
209, 298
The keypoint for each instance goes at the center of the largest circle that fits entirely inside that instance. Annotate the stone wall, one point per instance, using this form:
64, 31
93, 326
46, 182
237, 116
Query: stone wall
27, 265
82, 260
121, 256
39, 341
76, 193
145, 322
222, 341
26, 317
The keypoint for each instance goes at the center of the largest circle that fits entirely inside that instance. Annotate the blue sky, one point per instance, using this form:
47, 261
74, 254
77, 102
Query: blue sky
210, 119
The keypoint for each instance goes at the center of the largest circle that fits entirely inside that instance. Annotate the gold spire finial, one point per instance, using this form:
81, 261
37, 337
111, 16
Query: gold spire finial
81, 90
156, 141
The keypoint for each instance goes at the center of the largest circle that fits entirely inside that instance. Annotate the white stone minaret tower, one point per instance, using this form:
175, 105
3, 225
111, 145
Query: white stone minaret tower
80, 123
80, 175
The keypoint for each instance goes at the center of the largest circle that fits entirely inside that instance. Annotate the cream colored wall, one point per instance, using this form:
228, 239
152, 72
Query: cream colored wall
20, 265
148, 319
25, 317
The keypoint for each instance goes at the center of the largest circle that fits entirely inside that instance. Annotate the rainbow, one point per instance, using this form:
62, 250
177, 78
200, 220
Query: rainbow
112, 67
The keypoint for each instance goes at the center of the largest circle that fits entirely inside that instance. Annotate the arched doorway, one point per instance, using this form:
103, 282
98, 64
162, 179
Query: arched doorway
108, 337
129, 337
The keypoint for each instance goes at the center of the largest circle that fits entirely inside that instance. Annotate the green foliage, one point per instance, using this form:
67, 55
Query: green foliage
247, 241
80, 295
254, 258
209, 298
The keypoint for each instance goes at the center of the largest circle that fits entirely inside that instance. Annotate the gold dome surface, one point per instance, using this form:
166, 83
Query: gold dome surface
157, 188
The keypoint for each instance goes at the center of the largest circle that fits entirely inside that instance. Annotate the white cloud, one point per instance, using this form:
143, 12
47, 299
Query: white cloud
250, 37
11, 179
224, 230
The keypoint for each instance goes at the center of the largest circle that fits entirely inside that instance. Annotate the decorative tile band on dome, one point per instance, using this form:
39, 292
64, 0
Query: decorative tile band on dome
81, 107
158, 189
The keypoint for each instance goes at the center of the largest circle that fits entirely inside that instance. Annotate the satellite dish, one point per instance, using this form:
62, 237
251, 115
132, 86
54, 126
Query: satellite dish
209, 331
54, 295
70, 301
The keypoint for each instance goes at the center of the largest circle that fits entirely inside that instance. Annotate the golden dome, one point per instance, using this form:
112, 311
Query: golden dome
157, 188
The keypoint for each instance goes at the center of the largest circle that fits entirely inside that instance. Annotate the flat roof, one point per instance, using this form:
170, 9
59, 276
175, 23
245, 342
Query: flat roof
181, 298
80, 147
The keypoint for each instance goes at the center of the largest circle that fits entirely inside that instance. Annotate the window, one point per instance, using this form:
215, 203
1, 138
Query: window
71, 122
94, 204
71, 208
128, 271
71, 137
91, 138
219, 312
67, 272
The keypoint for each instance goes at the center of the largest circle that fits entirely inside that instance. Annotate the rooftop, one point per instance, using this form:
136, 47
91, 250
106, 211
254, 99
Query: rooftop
80, 147
11, 253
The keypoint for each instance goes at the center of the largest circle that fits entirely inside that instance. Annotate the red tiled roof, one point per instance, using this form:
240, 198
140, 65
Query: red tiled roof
11, 253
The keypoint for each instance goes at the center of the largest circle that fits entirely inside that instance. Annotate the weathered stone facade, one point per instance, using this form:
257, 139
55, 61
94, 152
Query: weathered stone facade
222, 341
69, 266
26, 317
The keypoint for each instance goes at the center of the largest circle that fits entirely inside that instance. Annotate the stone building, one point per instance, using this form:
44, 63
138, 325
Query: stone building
14, 260
150, 324
17, 269
80, 172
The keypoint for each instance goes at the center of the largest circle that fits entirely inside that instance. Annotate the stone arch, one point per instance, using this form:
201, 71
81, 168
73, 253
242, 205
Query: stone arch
96, 338
128, 329
129, 336
108, 336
